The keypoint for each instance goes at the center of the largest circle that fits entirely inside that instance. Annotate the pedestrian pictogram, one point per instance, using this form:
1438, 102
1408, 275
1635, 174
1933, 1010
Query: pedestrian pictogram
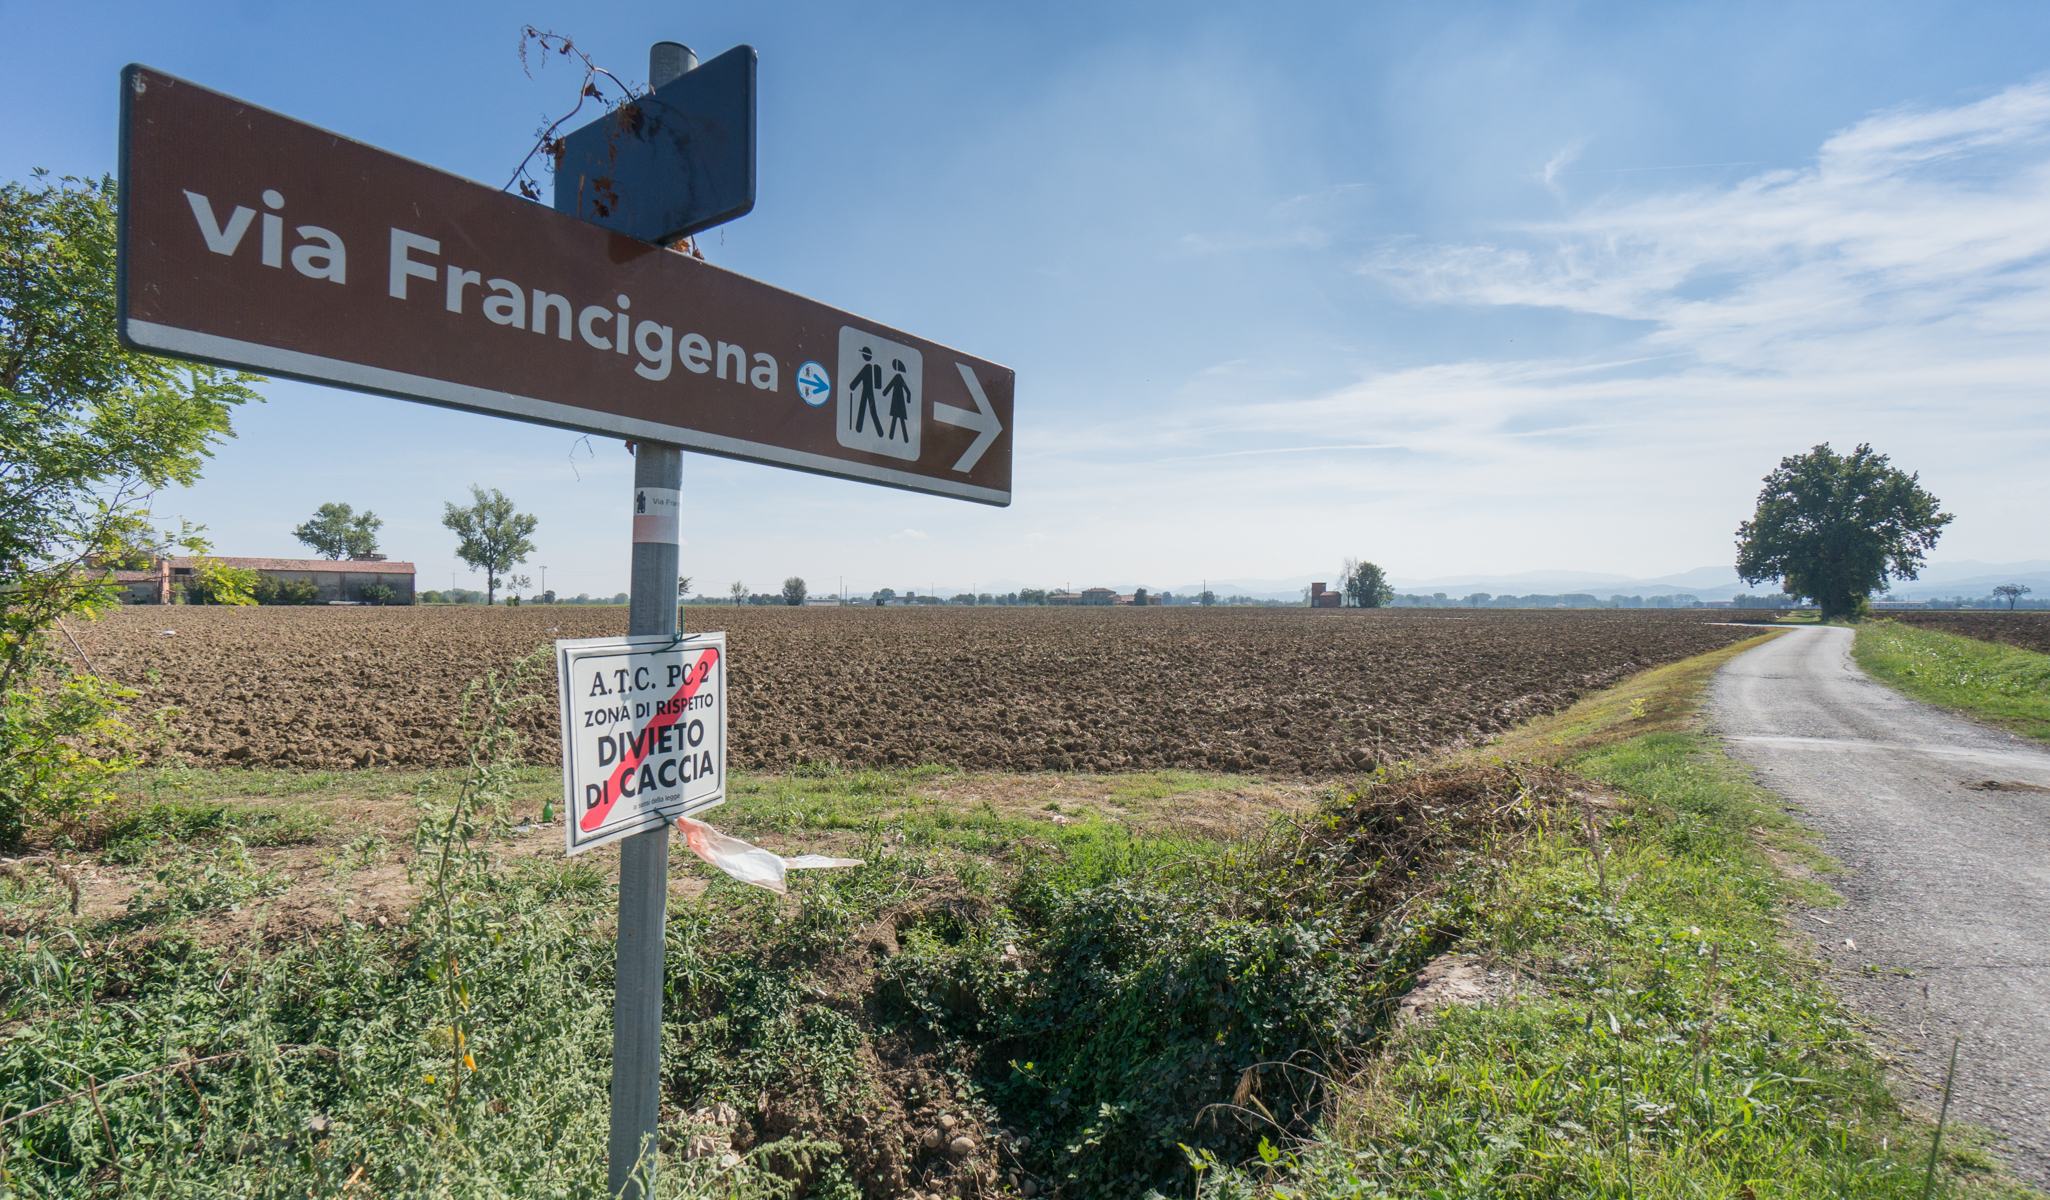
880, 409
813, 384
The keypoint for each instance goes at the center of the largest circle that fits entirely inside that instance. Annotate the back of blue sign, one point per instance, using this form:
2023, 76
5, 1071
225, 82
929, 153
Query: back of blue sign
672, 163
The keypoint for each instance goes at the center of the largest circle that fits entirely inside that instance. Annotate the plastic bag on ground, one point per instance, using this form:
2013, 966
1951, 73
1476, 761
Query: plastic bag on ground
747, 862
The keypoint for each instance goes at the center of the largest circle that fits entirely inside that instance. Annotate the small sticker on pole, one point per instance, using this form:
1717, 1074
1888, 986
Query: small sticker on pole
643, 732
656, 515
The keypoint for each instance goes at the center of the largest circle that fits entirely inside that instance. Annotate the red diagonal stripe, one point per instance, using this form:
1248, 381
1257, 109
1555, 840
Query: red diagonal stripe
694, 678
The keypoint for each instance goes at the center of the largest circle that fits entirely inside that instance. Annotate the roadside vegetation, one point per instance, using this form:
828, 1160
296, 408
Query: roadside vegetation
2005, 685
1671, 1038
273, 983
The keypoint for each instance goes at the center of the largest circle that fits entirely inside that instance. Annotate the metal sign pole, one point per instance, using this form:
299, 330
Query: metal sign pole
644, 857
643, 878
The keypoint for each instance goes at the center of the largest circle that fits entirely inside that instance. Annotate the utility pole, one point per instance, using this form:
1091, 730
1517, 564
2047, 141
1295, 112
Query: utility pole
644, 857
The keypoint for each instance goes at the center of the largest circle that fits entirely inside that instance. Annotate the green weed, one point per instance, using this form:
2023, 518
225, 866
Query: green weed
223, 878
134, 832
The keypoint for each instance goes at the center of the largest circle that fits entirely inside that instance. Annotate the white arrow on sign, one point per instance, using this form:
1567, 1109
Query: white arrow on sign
984, 422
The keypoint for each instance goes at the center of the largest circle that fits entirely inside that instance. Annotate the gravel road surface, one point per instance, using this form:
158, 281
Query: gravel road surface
1943, 828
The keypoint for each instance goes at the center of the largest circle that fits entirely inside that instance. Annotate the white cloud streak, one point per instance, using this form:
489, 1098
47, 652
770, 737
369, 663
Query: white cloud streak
1897, 290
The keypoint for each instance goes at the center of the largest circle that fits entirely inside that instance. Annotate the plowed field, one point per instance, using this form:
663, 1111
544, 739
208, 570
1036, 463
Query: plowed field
1269, 691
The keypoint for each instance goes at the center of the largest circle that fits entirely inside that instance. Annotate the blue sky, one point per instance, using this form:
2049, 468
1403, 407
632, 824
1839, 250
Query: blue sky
1476, 288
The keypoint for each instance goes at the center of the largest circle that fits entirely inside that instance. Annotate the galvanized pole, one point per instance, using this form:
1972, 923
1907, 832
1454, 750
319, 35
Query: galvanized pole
644, 857
643, 883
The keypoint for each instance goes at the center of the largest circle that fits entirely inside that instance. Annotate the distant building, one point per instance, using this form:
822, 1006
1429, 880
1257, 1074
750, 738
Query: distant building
1099, 597
1320, 598
334, 580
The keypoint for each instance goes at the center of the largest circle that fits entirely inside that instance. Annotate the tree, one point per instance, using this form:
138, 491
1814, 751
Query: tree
2012, 592
214, 582
682, 586
1366, 586
793, 591
494, 537
1207, 599
88, 430
336, 531
1836, 527
739, 591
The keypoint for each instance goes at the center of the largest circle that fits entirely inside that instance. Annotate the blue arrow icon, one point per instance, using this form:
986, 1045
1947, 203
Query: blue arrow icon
813, 384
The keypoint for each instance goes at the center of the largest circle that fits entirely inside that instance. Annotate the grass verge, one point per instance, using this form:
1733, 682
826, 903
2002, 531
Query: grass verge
2002, 685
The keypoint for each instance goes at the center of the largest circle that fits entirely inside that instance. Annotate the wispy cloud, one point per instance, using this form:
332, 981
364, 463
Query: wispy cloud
1308, 221
1566, 156
910, 535
1917, 236
1897, 289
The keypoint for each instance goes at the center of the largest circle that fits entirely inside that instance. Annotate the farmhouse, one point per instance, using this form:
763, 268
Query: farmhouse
1098, 597
334, 581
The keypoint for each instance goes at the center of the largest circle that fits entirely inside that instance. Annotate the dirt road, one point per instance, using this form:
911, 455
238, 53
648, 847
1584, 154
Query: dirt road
1943, 827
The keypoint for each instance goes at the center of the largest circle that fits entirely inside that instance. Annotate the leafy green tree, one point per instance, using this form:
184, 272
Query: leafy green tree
89, 431
793, 591
62, 742
494, 537
215, 582
1366, 586
337, 531
738, 590
2012, 592
1836, 527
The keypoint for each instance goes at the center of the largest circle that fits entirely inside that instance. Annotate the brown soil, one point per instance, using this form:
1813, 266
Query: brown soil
1277, 692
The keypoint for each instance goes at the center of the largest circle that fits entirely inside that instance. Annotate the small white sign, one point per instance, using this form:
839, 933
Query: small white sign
643, 732
882, 404
657, 515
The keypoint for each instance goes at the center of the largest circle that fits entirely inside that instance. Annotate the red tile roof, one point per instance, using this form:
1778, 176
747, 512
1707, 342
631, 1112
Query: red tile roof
330, 565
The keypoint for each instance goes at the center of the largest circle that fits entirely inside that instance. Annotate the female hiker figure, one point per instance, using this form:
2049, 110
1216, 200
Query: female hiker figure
899, 393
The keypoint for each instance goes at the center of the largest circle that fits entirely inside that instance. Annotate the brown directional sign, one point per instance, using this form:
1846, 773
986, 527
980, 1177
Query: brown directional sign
253, 240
